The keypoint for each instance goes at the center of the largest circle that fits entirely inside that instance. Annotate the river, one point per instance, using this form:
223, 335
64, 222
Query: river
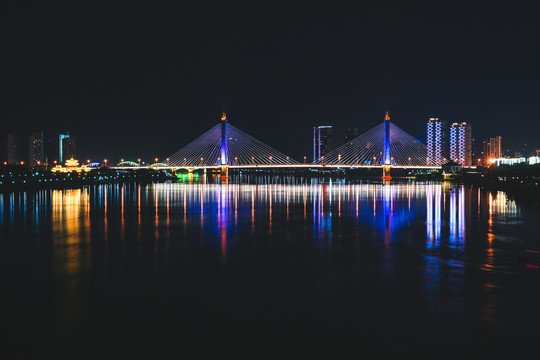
278, 268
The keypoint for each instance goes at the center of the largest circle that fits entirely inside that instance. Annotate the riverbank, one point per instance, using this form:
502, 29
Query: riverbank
521, 182
20, 179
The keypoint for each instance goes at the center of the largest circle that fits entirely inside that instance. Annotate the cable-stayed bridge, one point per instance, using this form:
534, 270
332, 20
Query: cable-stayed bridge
224, 146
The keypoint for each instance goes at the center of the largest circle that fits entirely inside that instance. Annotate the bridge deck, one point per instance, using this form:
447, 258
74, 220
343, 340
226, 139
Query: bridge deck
281, 166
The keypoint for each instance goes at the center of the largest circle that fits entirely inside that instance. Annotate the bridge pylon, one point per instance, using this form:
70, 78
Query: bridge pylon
386, 149
224, 150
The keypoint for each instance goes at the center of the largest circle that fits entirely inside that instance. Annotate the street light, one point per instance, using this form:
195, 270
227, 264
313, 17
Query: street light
270, 159
305, 159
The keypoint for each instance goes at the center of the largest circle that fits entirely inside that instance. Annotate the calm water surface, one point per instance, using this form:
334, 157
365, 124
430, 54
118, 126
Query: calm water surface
283, 269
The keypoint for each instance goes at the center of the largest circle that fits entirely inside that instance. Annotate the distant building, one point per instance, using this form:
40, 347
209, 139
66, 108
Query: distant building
461, 143
492, 149
437, 141
322, 141
351, 134
13, 148
68, 149
35, 149
495, 147
61, 138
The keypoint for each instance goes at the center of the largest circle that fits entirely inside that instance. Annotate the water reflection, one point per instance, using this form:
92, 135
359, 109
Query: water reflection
224, 217
70, 227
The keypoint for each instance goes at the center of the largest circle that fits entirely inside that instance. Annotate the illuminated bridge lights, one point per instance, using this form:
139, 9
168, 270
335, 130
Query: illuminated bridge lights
368, 149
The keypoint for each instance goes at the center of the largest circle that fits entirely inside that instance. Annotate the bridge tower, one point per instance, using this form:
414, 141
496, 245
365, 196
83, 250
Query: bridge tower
224, 151
386, 149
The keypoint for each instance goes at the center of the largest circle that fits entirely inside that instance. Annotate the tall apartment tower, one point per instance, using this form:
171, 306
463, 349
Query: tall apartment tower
13, 148
351, 133
495, 147
461, 143
61, 157
68, 148
35, 149
437, 142
322, 141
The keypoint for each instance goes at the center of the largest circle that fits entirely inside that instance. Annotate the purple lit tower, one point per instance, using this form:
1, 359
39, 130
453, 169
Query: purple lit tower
386, 149
224, 159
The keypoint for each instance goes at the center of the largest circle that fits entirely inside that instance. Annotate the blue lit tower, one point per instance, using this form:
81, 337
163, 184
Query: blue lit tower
386, 149
224, 159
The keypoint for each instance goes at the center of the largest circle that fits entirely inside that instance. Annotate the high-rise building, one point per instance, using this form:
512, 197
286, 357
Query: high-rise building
68, 149
322, 141
351, 134
13, 148
437, 141
495, 147
35, 149
461, 143
491, 149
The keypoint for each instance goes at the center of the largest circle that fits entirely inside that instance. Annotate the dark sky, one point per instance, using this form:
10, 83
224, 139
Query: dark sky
137, 80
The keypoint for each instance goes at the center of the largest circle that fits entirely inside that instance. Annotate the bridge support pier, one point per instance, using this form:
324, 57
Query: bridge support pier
386, 173
224, 173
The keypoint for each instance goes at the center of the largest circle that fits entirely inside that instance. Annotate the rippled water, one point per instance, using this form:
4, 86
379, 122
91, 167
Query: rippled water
287, 269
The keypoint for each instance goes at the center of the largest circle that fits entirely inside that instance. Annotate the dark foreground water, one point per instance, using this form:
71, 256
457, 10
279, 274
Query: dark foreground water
276, 270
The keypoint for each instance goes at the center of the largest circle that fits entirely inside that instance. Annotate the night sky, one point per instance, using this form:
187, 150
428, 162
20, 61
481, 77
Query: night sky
137, 80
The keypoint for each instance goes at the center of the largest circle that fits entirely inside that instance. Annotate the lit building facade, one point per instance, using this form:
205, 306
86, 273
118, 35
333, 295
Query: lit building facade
437, 142
35, 149
322, 141
461, 143
66, 147
491, 149
495, 147
61, 137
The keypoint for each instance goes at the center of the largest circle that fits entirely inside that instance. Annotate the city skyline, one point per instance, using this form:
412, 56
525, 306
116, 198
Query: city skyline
436, 138
139, 75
